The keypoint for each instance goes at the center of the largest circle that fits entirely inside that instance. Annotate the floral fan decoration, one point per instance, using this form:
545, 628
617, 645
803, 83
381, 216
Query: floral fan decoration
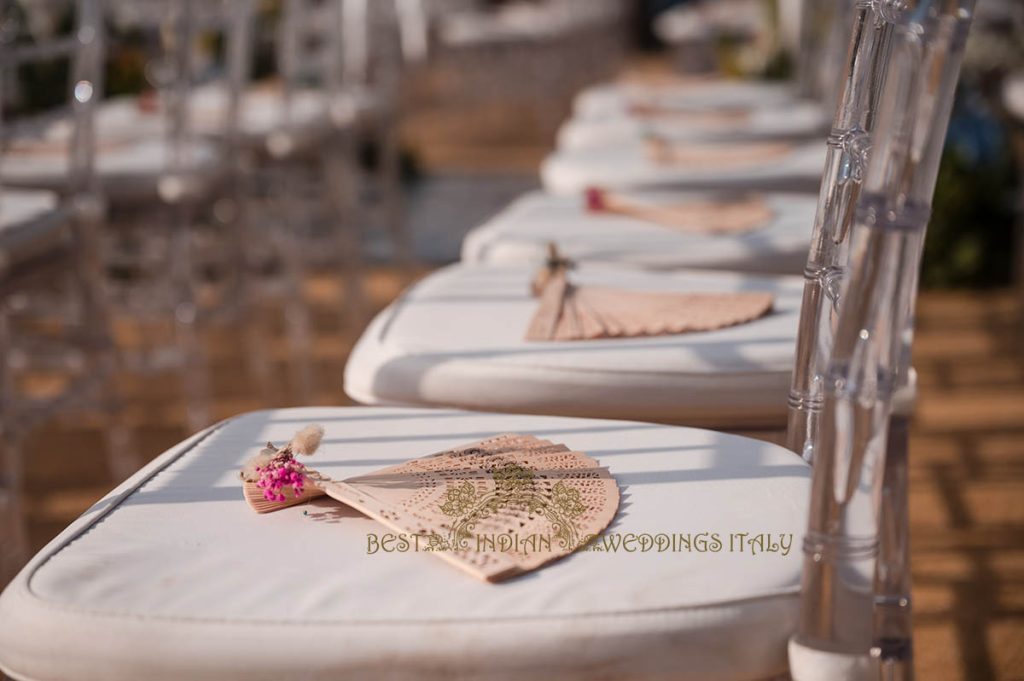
494, 508
567, 312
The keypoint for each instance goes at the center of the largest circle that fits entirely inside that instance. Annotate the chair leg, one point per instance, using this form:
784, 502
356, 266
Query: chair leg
189, 345
13, 527
122, 455
391, 185
13, 534
893, 631
298, 324
255, 345
340, 171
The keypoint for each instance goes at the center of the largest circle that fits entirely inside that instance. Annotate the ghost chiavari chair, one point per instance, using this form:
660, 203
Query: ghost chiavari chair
58, 349
382, 46
173, 244
855, 617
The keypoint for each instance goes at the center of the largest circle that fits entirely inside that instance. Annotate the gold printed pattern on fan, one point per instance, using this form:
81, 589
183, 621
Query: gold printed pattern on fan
721, 155
566, 312
496, 508
712, 216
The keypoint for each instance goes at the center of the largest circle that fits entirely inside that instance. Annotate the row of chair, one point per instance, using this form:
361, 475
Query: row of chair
830, 364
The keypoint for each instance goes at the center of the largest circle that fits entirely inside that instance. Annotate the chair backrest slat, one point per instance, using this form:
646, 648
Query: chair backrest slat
870, 353
862, 79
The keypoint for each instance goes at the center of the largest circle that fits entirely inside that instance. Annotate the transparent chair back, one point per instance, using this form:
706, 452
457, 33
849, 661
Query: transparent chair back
824, 27
50, 279
840, 616
862, 76
172, 239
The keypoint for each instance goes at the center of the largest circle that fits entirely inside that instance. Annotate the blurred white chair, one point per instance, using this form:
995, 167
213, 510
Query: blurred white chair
58, 350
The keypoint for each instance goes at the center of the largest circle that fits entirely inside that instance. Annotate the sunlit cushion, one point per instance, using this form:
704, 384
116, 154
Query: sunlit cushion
630, 165
802, 119
172, 576
610, 99
520, 234
457, 339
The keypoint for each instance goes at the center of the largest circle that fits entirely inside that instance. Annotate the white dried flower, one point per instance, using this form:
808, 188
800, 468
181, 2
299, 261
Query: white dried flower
307, 440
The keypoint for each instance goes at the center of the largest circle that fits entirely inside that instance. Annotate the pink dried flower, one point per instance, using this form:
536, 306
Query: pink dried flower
275, 470
278, 475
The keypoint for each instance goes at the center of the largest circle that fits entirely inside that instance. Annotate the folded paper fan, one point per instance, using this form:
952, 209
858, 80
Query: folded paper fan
721, 119
657, 80
727, 155
713, 216
495, 508
566, 312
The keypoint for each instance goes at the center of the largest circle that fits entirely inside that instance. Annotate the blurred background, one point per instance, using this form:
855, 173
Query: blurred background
312, 167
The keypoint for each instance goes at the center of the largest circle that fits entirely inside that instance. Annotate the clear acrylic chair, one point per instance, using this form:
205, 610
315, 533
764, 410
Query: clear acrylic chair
855, 618
59, 352
173, 249
847, 150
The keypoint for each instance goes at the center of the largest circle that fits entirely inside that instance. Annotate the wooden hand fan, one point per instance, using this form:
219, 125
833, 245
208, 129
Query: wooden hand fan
737, 215
495, 508
720, 119
553, 264
568, 312
722, 155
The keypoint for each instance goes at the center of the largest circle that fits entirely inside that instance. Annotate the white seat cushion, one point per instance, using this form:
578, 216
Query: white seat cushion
20, 206
172, 576
32, 223
629, 165
261, 109
801, 119
520, 234
456, 339
615, 99
134, 170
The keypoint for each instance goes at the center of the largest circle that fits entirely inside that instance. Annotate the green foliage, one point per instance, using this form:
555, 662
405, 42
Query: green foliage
970, 237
